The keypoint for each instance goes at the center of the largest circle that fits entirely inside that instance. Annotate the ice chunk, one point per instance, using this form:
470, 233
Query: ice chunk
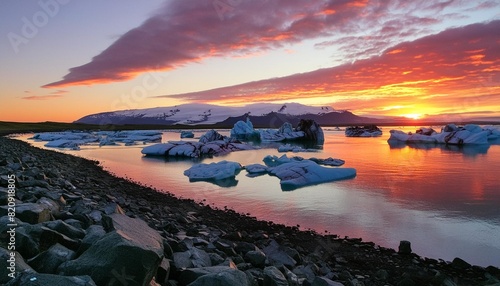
306, 172
187, 134
244, 130
365, 131
295, 149
213, 171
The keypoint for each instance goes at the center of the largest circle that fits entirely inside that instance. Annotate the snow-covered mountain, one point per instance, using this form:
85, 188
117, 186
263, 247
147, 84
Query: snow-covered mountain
194, 114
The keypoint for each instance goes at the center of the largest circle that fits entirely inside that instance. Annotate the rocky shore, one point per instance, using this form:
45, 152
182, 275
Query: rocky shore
76, 224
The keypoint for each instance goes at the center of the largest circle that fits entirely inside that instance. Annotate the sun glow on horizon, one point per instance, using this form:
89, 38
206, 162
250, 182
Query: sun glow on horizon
414, 116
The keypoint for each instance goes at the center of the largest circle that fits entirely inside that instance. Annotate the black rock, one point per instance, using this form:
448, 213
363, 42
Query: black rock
404, 247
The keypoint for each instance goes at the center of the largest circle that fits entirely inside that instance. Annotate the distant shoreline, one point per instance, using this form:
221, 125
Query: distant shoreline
7, 127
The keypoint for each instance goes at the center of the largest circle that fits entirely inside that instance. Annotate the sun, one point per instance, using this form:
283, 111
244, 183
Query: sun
413, 116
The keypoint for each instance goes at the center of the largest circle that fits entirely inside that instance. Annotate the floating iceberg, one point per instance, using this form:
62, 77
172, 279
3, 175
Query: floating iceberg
244, 131
307, 130
303, 173
295, 149
328, 161
221, 173
450, 134
187, 134
295, 172
71, 139
365, 131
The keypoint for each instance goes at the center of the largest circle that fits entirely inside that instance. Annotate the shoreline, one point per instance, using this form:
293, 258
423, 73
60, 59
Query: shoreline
344, 260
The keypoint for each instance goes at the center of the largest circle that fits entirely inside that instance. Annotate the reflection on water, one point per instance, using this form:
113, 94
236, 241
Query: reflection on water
467, 150
445, 200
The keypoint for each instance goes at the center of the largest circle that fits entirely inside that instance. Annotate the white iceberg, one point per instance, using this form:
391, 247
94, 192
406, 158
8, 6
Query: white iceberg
329, 161
194, 149
213, 171
294, 149
306, 172
295, 172
244, 130
450, 135
365, 131
187, 134
256, 169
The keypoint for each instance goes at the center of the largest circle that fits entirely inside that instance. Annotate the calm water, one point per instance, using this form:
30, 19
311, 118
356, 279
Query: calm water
446, 201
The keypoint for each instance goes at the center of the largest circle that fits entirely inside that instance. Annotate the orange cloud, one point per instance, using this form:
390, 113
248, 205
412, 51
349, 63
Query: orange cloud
438, 73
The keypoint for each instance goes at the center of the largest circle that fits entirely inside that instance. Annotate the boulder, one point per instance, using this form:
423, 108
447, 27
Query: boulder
94, 233
5, 265
404, 247
49, 260
30, 212
323, 281
225, 277
256, 257
36, 279
131, 251
277, 254
193, 257
66, 229
274, 277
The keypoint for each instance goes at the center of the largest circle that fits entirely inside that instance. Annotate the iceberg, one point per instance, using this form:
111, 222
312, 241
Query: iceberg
77, 138
450, 135
306, 172
244, 131
295, 149
213, 171
194, 149
187, 134
365, 131
295, 172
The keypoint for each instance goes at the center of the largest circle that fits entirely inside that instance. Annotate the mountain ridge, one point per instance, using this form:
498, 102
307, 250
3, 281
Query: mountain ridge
261, 114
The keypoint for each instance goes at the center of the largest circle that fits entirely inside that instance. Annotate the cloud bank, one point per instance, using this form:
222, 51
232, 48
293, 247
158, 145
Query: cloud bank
183, 32
454, 70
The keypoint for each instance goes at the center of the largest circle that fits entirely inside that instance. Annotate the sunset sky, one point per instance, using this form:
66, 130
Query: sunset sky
64, 59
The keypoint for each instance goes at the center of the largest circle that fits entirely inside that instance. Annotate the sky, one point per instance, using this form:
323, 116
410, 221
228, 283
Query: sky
63, 59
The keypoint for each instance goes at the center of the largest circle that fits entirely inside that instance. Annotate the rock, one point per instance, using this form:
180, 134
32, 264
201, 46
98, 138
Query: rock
292, 279
460, 263
404, 247
30, 212
52, 205
274, 277
49, 237
36, 279
163, 272
189, 275
18, 264
277, 254
215, 258
256, 257
191, 258
94, 233
312, 131
66, 229
49, 260
27, 240
118, 253
228, 277
382, 275
323, 281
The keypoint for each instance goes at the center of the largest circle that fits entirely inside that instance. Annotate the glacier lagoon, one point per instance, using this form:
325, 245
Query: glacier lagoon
444, 199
